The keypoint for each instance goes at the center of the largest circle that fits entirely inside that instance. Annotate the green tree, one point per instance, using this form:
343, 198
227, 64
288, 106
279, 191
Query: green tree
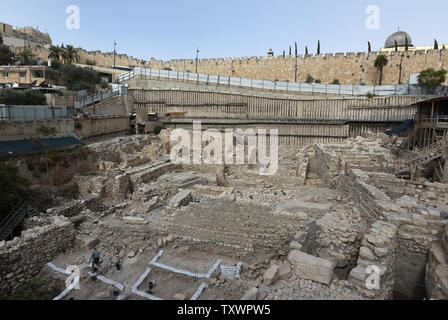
26, 57
90, 62
318, 47
430, 79
1, 39
12, 188
309, 79
56, 53
25, 98
70, 54
380, 62
6, 55
77, 78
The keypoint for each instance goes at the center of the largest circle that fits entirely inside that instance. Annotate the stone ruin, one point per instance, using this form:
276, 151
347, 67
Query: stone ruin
333, 223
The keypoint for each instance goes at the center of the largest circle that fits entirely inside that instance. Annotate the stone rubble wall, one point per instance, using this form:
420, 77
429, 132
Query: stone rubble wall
75, 207
437, 269
22, 258
336, 236
406, 206
378, 250
234, 227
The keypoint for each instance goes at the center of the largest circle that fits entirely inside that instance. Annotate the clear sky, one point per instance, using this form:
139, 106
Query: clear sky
172, 29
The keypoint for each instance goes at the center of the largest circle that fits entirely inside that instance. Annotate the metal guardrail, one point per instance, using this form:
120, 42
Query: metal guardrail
29, 113
280, 86
14, 218
432, 151
87, 100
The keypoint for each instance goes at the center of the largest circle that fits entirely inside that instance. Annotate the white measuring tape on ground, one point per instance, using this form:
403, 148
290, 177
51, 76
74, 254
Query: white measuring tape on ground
199, 291
53, 266
114, 283
185, 272
232, 270
68, 289
139, 282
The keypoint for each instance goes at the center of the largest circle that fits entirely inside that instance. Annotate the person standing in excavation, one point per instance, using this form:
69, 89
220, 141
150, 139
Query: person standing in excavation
95, 261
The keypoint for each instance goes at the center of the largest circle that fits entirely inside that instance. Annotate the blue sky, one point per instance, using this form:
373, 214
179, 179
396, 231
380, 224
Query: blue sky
168, 29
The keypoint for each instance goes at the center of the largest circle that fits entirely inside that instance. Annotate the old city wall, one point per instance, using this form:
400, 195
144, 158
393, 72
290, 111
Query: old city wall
348, 68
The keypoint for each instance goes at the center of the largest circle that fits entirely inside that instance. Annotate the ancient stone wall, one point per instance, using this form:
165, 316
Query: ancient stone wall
376, 259
98, 126
418, 225
27, 129
349, 68
235, 227
22, 258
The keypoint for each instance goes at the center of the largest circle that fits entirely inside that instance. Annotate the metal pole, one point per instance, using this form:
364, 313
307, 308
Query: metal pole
115, 51
197, 57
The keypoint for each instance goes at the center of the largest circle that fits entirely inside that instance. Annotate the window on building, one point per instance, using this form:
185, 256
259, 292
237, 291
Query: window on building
5, 74
38, 74
22, 74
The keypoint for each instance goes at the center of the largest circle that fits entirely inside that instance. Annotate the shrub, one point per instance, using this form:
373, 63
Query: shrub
90, 62
78, 125
77, 78
46, 131
24, 98
309, 79
158, 129
12, 188
55, 64
370, 95
104, 84
431, 79
318, 81
336, 81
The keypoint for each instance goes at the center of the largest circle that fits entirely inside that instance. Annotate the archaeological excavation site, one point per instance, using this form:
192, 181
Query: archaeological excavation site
356, 209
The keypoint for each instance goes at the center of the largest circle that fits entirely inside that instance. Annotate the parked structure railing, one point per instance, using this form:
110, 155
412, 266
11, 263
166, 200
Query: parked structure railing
31, 113
87, 100
280, 86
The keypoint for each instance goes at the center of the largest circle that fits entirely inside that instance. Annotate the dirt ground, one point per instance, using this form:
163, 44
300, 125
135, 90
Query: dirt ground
166, 283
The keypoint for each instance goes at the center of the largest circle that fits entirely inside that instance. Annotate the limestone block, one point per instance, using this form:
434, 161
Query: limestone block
284, 270
183, 198
250, 295
312, 268
271, 275
134, 220
179, 296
